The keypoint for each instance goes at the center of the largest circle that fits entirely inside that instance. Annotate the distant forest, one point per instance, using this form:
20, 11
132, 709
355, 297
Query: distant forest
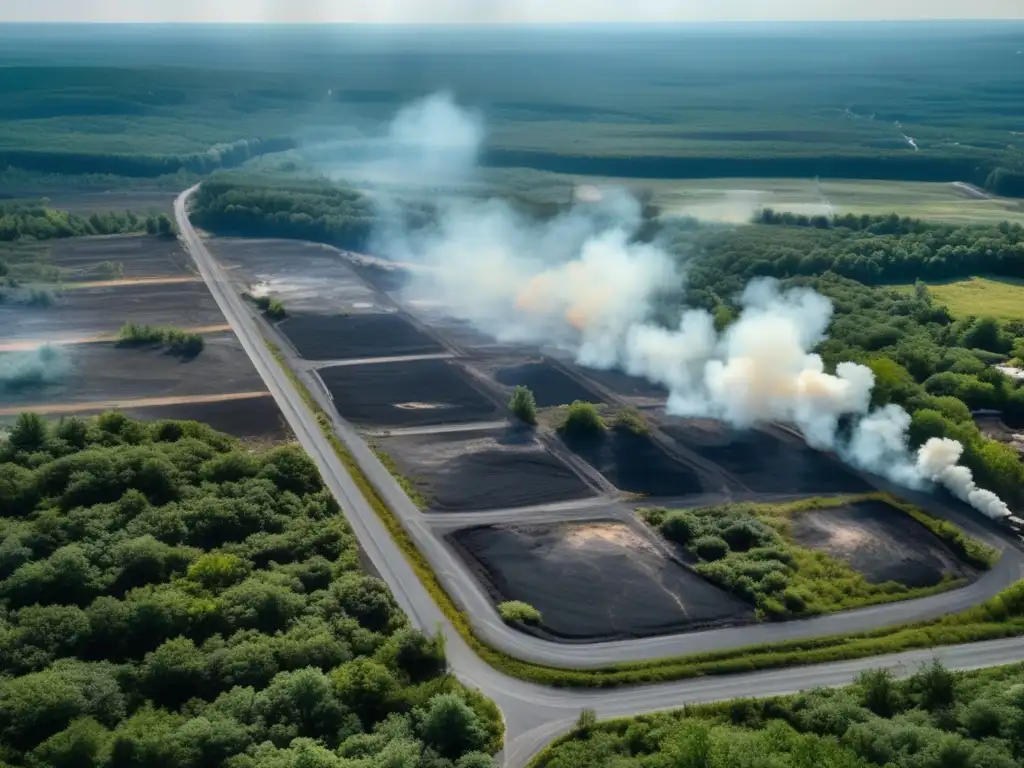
671, 103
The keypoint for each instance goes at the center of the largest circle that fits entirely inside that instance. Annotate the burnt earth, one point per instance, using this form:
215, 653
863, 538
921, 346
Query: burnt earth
549, 385
594, 581
411, 394
880, 541
487, 469
360, 335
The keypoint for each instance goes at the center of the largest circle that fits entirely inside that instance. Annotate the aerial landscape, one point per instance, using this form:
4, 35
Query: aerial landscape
456, 395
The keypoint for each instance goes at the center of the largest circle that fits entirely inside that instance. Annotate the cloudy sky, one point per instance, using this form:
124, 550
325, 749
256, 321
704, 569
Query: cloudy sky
502, 11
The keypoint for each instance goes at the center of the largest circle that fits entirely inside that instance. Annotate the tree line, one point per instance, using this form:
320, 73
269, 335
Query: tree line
21, 220
170, 598
143, 165
975, 167
317, 211
870, 249
934, 719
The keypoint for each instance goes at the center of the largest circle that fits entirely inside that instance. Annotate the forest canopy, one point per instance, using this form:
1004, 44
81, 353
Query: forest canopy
170, 598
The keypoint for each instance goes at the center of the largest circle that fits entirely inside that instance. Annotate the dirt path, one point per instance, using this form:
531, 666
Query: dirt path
22, 345
124, 281
110, 405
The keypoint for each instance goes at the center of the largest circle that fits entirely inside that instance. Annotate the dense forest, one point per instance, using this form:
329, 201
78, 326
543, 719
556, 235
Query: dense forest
170, 598
20, 220
934, 719
307, 210
870, 249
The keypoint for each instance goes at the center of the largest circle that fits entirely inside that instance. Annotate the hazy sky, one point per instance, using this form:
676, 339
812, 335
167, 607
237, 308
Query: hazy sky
487, 11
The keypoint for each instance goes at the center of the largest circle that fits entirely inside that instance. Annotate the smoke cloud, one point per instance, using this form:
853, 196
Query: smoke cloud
33, 368
582, 282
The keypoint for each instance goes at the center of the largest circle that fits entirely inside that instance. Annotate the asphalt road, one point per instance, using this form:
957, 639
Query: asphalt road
534, 714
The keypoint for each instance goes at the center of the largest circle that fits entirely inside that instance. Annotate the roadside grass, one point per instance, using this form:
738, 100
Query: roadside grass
998, 297
1000, 617
749, 550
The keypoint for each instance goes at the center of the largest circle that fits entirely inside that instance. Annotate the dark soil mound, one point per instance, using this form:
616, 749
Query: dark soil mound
417, 393
463, 471
625, 385
549, 385
880, 541
765, 462
636, 464
345, 337
594, 581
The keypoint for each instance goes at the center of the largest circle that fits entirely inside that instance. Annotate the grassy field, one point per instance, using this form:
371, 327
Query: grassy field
1002, 297
736, 200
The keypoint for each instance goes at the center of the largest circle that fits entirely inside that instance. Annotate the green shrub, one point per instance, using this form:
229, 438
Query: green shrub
630, 420
523, 405
583, 420
711, 547
518, 612
177, 341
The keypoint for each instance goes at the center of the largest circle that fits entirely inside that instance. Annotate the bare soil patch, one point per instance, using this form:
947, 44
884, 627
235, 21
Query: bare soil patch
306, 277
102, 371
764, 461
487, 469
361, 335
92, 311
612, 582
636, 464
140, 255
138, 200
881, 542
411, 394
550, 386
626, 386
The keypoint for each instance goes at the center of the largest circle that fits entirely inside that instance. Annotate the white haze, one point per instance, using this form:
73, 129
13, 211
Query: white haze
581, 282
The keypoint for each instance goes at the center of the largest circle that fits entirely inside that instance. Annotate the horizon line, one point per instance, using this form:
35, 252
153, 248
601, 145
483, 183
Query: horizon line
499, 24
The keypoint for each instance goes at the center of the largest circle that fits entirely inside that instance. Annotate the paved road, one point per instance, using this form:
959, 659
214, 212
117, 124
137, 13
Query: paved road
534, 714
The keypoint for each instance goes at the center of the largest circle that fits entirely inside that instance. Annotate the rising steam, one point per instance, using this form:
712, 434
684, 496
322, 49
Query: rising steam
582, 282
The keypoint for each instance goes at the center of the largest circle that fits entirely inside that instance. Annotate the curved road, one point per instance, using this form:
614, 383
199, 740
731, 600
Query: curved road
535, 714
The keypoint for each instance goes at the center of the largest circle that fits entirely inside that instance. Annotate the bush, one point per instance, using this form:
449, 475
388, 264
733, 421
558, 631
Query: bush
518, 612
630, 420
711, 548
272, 308
523, 405
176, 340
583, 420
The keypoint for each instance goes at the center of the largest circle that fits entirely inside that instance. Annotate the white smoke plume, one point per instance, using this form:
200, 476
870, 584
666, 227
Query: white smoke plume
581, 281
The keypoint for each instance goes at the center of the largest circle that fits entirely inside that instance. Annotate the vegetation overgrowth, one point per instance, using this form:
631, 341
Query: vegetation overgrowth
271, 307
523, 405
933, 719
22, 220
748, 549
170, 597
518, 612
176, 340
582, 420
1000, 617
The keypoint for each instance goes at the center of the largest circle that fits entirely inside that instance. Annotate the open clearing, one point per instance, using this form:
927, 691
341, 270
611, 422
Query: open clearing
305, 277
999, 297
735, 200
413, 394
360, 335
464, 471
139, 255
93, 311
252, 417
763, 461
881, 542
595, 581
636, 464
103, 371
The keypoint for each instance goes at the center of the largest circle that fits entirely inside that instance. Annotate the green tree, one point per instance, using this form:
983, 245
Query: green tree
879, 692
450, 726
29, 433
83, 744
368, 687
523, 405
302, 703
